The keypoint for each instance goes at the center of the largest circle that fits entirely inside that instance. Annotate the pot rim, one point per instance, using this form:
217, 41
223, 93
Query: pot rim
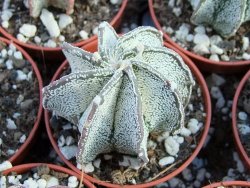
228, 183
25, 167
207, 104
17, 156
200, 58
114, 22
237, 139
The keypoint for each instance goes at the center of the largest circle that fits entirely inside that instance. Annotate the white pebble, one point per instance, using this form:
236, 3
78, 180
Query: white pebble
97, 163
18, 55
50, 43
11, 124
201, 39
22, 38
9, 64
242, 116
72, 182
224, 57
182, 32
3, 181
1, 141
216, 50
214, 57
64, 21
10, 152
89, 168
171, 146
10, 52
190, 38
201, 174
61, 38
35, 176
179, 139
193, 125
52, 181
69, 140
171, 3
5, 24
6, 15
166, 160
245, 41
37, 39
30, 183
69, 151
151, 144
177, 11
83, 34
201, 49
187, 174
200, 29
21, 75
218, 80
174, 182
28, 30
13, 180
215, 39
243, 129
246, 56
216, 92
220, 102
4, 53
115, 2
132, 162
61, 141
169, 30
5, 165
22, 139
41, 183
50, 23
185, 132
95, 30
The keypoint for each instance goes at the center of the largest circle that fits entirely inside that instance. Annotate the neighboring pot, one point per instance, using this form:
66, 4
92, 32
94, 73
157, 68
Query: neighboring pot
26, 167
92, 47
242, 151
23, 150
55, 54
229, 183
203, 63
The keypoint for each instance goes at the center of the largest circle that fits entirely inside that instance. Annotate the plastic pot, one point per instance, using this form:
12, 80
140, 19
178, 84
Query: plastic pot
55, 54
241, 150
236, 184
23, 150
20, 169
203, 63
92, 47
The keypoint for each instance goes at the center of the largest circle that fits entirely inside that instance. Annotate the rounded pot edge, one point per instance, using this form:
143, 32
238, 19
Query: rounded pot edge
228, 183
241, 150
92, 48
203, 63
22, 151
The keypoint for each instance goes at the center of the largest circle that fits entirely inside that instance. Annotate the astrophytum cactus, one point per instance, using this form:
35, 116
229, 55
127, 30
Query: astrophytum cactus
36, 6
118, 95
225, 16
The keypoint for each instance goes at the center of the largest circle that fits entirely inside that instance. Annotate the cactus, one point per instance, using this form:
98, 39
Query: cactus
132, 86
225, 16
36, 6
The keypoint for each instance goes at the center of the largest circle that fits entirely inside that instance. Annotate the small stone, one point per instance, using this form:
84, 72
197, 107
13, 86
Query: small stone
5, 165
132, 162
41, 183
115, 2
21, 75
50, 43
52, 181
169, 30
61, 38
72, 182
185, 132
5, 24
215, 39
218, 80
95, 31
190, 38
83, 34
220, 102
242, 116
18, 55
244, 129
200, 29
201, 49
6, 15
64, 21
224, 57
26, 104
245, 41
214, 57
107, 157
193, 125
187, 174
201, 39
37, 40
61, 141
9, 64
22, 38
28, 30
216, 92
11, 124
69, 140
197, 183
171, 3
151, 144
246, 56
201, 174
89, 168
4, 53
1, 141
216, 50
182, 32
69, 151
22, 139
50, 23
171, 146
97, 163
10, 152
30, 183
177, 11
166, 160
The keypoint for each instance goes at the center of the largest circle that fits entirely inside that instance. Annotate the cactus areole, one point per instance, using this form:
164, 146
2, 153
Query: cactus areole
132, 86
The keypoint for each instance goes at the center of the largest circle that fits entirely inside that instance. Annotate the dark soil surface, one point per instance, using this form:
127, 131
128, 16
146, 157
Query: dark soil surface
91, 15
19, 102
167, 18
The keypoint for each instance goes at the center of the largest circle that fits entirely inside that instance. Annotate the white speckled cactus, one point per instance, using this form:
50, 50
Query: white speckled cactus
225, 16
36, 6
118, 95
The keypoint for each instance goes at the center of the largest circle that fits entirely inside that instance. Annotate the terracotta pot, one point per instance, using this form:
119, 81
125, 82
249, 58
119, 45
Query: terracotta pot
20, 169
55, 54
236, 184
203, 63
92, 47
23, 150
241, 150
